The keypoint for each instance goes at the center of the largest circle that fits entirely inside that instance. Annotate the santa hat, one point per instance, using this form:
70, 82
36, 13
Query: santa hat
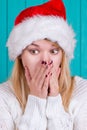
39, 22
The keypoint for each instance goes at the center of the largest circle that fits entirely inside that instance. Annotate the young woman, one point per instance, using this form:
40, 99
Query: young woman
41, 94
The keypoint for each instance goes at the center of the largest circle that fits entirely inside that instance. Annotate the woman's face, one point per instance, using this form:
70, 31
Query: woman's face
38, 51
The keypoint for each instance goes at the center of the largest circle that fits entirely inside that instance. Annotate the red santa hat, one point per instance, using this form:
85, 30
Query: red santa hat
39, 22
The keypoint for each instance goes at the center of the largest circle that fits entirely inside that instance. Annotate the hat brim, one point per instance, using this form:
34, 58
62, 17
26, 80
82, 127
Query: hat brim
40, 27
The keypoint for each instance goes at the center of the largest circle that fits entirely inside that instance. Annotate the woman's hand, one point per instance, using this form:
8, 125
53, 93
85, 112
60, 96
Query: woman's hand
54, 86
38, 84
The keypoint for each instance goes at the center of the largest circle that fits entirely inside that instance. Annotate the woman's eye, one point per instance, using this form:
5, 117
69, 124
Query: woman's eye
54, 51
34, 51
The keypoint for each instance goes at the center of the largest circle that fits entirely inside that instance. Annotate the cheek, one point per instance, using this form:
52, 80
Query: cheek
57, 61
56, 64
31, 63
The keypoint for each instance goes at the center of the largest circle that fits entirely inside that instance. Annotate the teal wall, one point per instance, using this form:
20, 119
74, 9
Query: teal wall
77, 17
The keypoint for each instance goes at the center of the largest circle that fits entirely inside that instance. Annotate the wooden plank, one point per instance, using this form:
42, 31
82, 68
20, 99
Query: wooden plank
73, 16
3, 36
33, 2
84, 38
45, 1
13, 11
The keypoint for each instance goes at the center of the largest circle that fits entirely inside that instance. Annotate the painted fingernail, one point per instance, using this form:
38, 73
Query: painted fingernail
42, 62
51, 62
45, 62
46, 76
51, 74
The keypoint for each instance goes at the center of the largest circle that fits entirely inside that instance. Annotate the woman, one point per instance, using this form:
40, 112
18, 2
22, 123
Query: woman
41, 94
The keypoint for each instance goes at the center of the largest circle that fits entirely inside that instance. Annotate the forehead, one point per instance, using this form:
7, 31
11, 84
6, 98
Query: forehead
44, 42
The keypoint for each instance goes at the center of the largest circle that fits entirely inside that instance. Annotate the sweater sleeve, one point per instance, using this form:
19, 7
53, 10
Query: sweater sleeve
33, 118
79, 106
6, 121
80, 121
58, 119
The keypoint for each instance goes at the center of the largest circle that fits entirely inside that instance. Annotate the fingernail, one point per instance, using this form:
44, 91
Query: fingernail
46, 76
42, 62
45, 62
51, 74
51, 62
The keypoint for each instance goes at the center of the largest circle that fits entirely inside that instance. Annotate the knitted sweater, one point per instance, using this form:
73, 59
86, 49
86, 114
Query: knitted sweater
42, 114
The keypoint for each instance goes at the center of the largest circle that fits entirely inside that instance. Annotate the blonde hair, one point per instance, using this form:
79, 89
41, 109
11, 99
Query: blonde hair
19, 83
66, 83
21, 89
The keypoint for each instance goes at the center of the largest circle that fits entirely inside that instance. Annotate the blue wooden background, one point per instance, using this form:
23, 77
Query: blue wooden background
77, 17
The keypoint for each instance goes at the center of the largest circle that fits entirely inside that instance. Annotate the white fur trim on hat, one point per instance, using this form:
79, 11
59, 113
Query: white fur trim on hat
38, 27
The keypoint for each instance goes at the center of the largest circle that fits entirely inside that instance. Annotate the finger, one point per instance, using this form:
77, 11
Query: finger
39, 70
44, 75
45, 66
53, 78
45, 84
56, 73
42, 71
47, 71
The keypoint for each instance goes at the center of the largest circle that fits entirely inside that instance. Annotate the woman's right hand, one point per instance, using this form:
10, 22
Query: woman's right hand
38, 84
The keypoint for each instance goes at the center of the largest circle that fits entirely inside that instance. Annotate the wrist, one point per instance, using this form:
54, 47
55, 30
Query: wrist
53, 92
39, 95
35, 103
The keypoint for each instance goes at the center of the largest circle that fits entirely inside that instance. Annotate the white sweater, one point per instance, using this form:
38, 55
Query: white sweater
42, 114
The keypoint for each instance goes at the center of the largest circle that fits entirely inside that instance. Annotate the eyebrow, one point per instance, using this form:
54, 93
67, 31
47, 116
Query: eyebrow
35, 44
55, 45
39, 46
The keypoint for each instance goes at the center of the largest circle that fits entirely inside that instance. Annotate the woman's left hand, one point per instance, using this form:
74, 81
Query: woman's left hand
53, 82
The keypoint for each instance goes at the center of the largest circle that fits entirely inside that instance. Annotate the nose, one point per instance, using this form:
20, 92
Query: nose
46, 58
